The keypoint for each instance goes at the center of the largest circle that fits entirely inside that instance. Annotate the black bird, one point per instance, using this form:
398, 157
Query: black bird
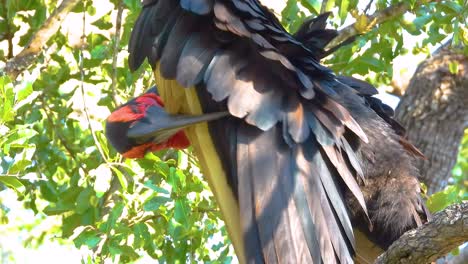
307, 166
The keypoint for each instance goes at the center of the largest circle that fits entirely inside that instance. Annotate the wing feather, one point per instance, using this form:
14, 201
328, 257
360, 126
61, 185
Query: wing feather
195, 58
178, 37
201, 7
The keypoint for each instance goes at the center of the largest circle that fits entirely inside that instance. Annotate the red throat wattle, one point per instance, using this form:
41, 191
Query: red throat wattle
136, 110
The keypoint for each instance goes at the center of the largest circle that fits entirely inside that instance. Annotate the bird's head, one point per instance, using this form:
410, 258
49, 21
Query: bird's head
141, 110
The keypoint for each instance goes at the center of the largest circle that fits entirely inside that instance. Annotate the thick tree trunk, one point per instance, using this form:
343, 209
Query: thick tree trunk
434, 110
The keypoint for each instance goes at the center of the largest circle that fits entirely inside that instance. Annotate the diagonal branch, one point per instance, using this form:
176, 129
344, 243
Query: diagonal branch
368, 6
378, 17
27, 56
118, 29
447, 230
323, 8
374, 19
7, 34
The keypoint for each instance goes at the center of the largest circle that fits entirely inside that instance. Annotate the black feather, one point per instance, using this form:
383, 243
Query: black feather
196, 55
200, 7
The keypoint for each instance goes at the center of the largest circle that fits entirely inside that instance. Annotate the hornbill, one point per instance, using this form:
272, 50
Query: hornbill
306, 166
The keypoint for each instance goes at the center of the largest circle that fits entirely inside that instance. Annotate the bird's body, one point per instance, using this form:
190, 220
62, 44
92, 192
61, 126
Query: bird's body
302, 156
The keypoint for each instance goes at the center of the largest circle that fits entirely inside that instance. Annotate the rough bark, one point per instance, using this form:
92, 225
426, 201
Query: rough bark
434, 111
25, 58
447, 230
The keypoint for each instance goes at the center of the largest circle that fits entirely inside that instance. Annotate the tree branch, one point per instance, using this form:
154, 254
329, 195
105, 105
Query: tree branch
7, 34
368, 6
323, 8
21, 61
447, 230
118, 29
376, 18
58, 134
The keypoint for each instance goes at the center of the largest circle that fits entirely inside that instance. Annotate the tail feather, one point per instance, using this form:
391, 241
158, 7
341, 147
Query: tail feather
246, 202
288, 199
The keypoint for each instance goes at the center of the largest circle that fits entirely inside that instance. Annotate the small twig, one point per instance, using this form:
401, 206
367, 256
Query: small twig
192, 158
21, 61
118, 28
368, 6
7, 35
60, 137
447, 230
378, 17
144, 219
83, 94
323, 8
205, 211
10, 175
168, 153
111, 196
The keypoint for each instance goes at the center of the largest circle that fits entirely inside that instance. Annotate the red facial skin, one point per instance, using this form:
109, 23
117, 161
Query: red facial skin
136, 110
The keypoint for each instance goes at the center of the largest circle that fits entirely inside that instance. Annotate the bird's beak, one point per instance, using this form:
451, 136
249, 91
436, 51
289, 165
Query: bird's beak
160, 126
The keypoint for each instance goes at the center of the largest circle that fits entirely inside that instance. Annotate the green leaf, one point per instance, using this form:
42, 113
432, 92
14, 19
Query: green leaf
128, 252
11, 182
155, 188
173, 181
7, 96
312, 5
114, 216
154, 203
91, 10
453, 67
100, 52
89, 238
24, 92
48, 191
59, 208
133, 5
442, 199
181, 211
344, 5
70, 194
122, 179
69, 224
181, 178
291, 16
451, 7
104, 22
455, 252
83, 201
175, 229
422, 20
19, 166
142, 234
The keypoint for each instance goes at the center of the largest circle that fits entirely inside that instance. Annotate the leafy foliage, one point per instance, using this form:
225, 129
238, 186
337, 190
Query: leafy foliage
457, 189
54, 156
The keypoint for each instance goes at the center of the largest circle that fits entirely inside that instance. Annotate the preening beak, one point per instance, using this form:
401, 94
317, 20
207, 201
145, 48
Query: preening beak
160, 126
